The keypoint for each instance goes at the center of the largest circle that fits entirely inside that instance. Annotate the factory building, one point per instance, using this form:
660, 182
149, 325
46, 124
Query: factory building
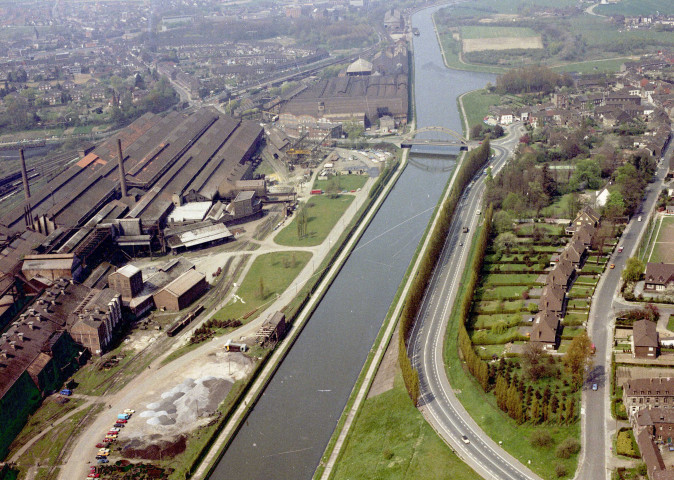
125, 188
366, 92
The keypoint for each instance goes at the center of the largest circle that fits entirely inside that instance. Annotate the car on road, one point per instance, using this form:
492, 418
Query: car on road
612, 266
620, 249
460, 244
594, 386
465, 439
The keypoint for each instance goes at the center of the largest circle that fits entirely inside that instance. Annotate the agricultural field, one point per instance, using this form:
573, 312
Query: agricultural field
477, 38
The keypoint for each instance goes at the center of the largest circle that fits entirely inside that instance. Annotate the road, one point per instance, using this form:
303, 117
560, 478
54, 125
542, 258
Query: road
438, 402
597, 425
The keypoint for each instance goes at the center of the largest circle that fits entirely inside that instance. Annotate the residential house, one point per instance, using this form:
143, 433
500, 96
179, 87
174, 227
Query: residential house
645, 339
587, 216
561, 275
552, 299
546, 330
659, 276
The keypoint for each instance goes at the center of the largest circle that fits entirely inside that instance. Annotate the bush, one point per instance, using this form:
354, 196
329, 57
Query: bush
568, 447
533, 308
626, 445
540, 438
560, 470
642, 469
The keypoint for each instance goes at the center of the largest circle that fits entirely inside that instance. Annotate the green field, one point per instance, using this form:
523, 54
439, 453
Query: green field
392, 440
598, 32
661, 247
344, 182
632, 8
497, 32
477, 103
268, 277
323, 213
593, 66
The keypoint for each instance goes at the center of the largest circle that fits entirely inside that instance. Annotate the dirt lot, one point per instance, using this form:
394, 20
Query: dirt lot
182, 402
501, 43
626, 373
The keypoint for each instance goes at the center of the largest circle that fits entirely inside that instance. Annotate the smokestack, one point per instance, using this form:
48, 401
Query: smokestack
24, 176
122, 175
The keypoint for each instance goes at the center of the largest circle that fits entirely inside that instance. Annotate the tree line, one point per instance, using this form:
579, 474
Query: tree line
531, 79
472, 164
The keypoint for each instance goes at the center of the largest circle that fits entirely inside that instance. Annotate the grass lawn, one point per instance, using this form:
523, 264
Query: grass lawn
590, 268
496, 293
495, 306
487, 337
670, 323
323, 212
570, 332
46, 451
477, 103
48, 412
580, 292
344, 182
451, 50
94, 380
578, 303
541, 227
559, 208
509, 278
486, 321
659, 251
274, 272
610, 65
392, 440
508, 267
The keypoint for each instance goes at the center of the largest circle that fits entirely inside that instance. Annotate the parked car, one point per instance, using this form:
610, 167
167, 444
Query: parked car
66, 391
121, 420
594, 386
119, 425
612, 266
93, 475
103, 460
620, 249
129, 411
101, 457
100, 445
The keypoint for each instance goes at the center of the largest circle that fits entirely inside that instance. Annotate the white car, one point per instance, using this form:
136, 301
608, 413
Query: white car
128, 411
465, 439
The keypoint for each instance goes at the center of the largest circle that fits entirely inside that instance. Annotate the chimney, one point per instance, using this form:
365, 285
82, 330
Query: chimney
20, 335
122, 175
24, 176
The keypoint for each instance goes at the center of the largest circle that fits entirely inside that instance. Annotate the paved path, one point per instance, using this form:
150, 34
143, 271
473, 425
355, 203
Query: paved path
31, 442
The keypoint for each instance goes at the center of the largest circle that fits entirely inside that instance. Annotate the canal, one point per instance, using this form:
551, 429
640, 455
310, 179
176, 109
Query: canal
286, 433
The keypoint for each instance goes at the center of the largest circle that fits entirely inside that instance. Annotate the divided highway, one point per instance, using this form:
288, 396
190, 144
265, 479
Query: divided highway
439, 404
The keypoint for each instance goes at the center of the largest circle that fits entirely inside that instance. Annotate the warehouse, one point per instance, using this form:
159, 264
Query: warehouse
181, 292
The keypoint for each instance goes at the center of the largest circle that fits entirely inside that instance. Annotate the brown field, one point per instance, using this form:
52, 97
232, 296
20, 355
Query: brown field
500, 43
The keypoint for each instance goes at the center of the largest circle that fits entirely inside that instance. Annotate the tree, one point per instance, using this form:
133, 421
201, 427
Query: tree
633, 269
534, 360
615, 205
353, 129
475, 131
578, 357
505, 241
333, 187
586, 175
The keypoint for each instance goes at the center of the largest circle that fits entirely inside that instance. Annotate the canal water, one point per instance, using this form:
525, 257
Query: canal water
286, 433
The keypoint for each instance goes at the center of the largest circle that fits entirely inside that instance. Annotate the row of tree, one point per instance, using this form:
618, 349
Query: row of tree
473, 163
531, 79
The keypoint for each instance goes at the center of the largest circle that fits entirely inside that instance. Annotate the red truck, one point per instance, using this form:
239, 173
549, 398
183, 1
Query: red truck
317, 192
